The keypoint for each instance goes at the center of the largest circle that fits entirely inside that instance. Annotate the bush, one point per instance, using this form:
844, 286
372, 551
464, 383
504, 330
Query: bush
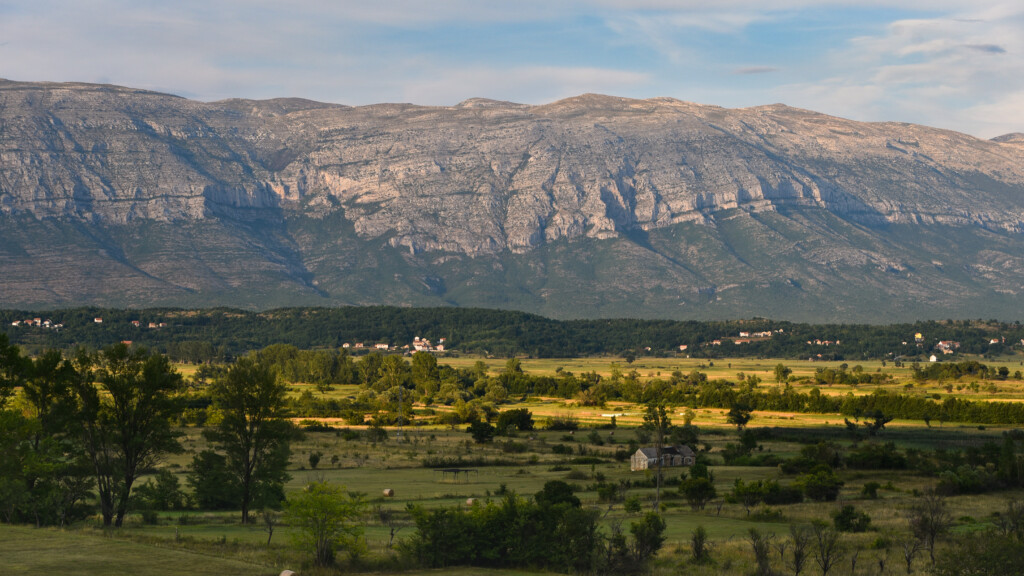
848, 519
870, 490
821, 485
325, 518
519, 419
161, 493
563, 423
482, 432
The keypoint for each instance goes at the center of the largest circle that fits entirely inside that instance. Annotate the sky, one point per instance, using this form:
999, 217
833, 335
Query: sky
955, 64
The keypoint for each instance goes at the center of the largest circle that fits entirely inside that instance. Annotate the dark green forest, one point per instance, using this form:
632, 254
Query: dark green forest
222, 334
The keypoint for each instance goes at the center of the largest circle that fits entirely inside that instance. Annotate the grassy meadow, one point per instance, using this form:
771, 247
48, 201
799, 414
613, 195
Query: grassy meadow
198, 542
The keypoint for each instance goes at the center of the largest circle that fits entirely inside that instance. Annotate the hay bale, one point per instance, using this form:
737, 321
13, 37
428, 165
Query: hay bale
389, 493
470, 501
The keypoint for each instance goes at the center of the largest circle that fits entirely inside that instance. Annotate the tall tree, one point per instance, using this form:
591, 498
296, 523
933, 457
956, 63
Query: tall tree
57, 476
12, 365
656, 420
253, 434
126, 429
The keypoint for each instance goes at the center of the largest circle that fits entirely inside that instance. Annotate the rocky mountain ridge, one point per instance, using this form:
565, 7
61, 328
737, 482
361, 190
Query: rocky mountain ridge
450, 196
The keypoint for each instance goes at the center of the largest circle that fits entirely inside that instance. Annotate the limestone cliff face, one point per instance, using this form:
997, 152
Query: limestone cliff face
483, 176
399, 203
110, 154
511, 177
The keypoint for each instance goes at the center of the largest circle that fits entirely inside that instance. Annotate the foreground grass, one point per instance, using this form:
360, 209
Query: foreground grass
46, 551
49, 551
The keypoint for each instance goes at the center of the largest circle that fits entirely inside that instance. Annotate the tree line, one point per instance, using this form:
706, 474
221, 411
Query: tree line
391, 384
221, 334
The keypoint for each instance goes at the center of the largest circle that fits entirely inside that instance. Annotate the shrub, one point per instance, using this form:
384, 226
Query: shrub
565, 422
821, 485
324, 517
870, 490
519, 419
848, 519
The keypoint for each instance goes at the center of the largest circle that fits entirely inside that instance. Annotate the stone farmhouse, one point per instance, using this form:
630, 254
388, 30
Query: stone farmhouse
647, 458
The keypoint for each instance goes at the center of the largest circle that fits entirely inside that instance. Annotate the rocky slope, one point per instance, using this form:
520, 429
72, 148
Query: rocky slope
588, 206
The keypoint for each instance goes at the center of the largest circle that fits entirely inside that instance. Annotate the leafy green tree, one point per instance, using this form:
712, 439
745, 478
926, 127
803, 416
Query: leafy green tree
782, 373
213, 486
648, 536
482, 432
739, 413
821, 484
749, 494
126, 429
163, 492
698, 491
520, 419
253, 433
51, 462
11, 366
557, 492
425, 374
325, 518
849, 519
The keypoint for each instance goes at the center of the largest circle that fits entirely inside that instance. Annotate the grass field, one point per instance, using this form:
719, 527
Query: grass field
198, 542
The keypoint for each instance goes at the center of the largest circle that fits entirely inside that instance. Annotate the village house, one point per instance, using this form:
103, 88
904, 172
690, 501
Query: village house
683, 347
647, 458
381, 346
744, 334
98, 320
947, 346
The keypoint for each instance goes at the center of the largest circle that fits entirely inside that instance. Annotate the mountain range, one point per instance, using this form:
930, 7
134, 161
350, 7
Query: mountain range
588, 207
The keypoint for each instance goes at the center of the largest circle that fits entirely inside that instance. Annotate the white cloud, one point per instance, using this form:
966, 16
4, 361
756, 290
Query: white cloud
961, 71
527, 84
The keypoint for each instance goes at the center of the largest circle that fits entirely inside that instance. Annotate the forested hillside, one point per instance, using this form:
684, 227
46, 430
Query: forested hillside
198, 335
